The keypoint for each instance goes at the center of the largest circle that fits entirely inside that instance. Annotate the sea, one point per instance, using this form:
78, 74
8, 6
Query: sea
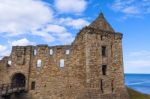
138, 82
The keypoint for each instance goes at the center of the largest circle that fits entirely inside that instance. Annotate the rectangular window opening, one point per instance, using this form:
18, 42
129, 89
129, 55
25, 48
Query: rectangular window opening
103, 50
33, 85
67, 51
39, 63
51, 51
9, 62
104, 68
34, 52
61, 64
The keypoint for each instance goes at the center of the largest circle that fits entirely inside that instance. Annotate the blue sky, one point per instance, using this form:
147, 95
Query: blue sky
54, 22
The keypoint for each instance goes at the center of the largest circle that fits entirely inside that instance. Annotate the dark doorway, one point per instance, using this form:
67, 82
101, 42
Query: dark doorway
18, 79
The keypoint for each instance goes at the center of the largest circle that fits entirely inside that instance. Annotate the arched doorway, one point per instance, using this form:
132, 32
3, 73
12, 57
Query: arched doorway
18, 79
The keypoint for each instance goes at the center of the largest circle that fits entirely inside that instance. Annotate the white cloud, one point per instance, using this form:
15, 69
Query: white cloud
137, 62
70, 6
65, 38
117, 5
59, 33
3, 51
124, 6
55, 29
142, 53
23, 16
22, 42
137, 66
44, 35
2, 48
55, 33
131, 10
75, 23
131, 7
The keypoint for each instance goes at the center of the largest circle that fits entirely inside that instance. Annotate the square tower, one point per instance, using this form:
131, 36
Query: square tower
103, 57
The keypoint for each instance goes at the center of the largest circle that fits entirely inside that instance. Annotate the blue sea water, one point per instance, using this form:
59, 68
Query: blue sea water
139, 82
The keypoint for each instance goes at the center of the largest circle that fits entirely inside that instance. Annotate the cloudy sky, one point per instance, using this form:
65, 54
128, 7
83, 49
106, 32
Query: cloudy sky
55, 22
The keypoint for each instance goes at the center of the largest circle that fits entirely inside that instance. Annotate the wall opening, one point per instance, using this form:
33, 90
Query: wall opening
39, 63
112, 85
34, 52
67, 51
18, 79
33, 85
61, 63
101, 85
103, 50
112, 51
101, 37
9, 62
51, 51
104, 69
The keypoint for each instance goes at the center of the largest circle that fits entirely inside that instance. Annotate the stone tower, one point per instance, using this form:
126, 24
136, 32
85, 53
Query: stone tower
90, 68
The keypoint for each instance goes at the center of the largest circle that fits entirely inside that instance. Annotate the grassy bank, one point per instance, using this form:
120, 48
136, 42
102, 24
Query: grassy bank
137, 95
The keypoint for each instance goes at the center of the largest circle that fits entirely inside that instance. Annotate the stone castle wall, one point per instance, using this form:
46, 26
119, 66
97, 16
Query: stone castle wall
93, 67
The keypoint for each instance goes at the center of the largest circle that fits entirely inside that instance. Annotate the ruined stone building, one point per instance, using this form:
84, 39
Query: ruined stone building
90, 68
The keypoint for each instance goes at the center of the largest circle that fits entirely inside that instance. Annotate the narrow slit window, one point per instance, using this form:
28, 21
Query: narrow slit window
34, 52
67, 51
101, 37
111, 50
101, 85
61, 64
9, 62
33, 85
112, 85
51, 51
103, 50
104, 68
39, 63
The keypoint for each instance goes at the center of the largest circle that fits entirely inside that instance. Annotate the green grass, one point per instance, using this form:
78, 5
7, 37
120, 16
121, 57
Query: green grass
137, 95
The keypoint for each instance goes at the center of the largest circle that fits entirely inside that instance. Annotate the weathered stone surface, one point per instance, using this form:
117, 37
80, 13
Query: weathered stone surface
87, 73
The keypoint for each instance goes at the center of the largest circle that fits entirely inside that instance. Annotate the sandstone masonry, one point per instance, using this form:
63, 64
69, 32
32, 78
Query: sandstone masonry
90, 68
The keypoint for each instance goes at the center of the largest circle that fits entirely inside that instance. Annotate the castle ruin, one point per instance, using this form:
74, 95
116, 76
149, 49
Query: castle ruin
90, 68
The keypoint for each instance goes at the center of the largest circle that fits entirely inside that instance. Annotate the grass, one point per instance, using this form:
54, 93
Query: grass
137, 95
